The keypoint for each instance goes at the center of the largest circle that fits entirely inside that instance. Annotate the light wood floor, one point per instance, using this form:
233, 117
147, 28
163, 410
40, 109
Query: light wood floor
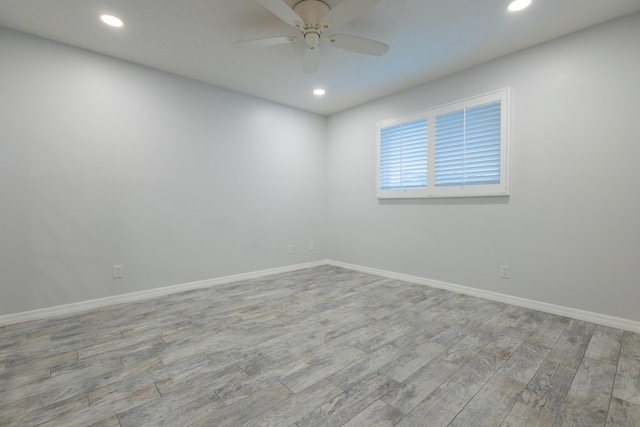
324, 346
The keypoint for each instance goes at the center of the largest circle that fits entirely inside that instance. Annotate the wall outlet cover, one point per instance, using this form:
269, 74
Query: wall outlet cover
504, 271
117, 271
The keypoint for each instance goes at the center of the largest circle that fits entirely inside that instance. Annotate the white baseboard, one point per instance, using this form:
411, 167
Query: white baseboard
587, 316
601, 319
78, 307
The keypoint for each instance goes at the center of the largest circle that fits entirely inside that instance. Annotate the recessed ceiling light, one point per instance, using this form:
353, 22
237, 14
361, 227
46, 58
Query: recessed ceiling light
517, 5
318, 92
111, 20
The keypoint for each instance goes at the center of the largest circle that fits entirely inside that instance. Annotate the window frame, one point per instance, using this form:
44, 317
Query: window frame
431, 191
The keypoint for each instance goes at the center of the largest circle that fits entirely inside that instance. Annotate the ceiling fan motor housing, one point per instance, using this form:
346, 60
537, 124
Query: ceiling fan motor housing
312, 12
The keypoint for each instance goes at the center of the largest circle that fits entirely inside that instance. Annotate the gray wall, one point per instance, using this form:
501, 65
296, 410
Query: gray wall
571, 229
103, 162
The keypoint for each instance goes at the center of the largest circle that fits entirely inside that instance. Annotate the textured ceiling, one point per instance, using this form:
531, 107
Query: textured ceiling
194, 38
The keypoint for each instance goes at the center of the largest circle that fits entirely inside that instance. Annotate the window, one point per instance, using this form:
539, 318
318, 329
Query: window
460, 149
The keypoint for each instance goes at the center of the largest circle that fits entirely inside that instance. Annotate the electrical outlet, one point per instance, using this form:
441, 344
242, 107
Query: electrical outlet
504, 271
290, 250
311, 245
117, 271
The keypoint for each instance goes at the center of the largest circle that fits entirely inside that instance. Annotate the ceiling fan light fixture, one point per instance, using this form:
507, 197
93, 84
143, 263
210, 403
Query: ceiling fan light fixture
111, 20
517, 5
311, 39
319, 92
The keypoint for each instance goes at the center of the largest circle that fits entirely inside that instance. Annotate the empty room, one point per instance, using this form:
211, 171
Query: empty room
319, 213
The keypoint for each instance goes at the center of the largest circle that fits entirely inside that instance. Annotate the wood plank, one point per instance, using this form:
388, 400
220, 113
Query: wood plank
548, 387
549, 331
605, 344
408, 363
491, 405
322, 368
469, 379
627, 383
572, 344
297, 406
506, 342
102, 410
56, 410
386, 337
419, 385
187, 414
378, 414
524, 363
593, 383
438, 409
242, 412
577, 414
530, 321
12, 413
347, 405
623, 414
524, 415
109, 422
460, 352
241, 389
349, 375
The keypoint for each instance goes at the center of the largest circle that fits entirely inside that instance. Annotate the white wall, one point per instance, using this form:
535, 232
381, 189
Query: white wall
571, 229
103, 162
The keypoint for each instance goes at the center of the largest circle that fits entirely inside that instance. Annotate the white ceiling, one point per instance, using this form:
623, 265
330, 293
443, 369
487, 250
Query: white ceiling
194, 38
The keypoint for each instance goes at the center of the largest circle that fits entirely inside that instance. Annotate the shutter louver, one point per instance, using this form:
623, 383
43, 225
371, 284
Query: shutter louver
468, 146
450, 149
403, 156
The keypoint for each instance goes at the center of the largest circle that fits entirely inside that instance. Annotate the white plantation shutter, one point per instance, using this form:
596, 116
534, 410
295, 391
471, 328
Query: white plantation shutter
462, 152
468, 146
403, 156
449, 148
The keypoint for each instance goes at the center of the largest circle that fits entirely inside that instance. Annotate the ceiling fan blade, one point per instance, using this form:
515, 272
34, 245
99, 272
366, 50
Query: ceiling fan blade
347, 10
311, 60
270, 41
282, 11
358, 44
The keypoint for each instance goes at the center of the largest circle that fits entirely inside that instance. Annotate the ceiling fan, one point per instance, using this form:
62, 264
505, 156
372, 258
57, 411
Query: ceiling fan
312, 18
